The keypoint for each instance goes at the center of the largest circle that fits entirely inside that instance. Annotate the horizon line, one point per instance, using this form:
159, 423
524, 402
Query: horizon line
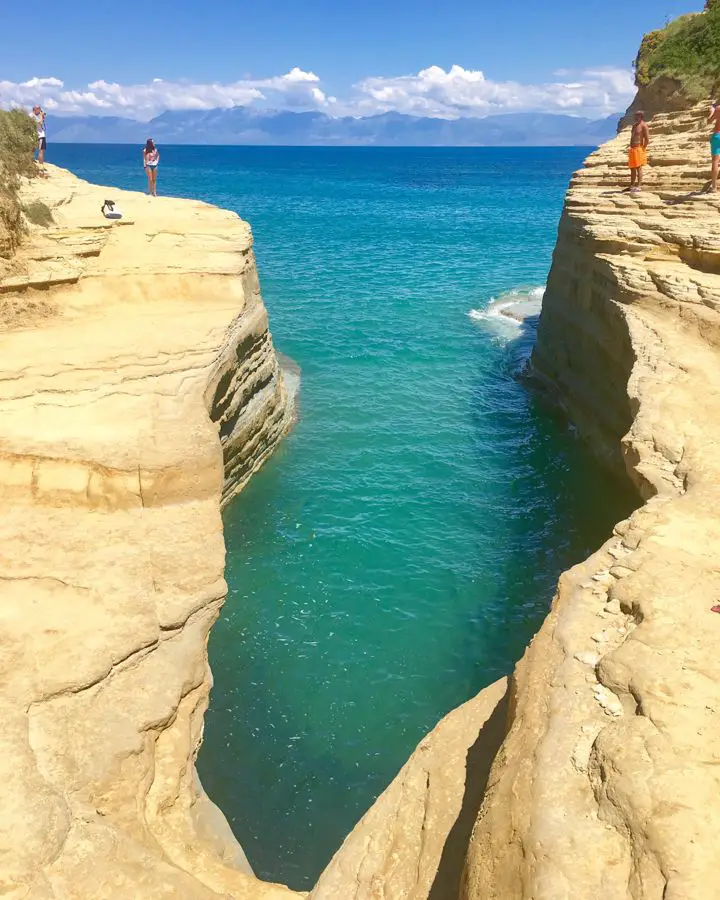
341, 146
271, 111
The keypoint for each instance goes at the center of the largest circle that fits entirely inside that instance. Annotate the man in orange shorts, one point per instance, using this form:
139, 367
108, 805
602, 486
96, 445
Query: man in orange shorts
637, 155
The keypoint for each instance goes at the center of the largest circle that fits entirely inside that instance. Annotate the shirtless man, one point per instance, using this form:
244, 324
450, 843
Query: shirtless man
714, 117
637, 155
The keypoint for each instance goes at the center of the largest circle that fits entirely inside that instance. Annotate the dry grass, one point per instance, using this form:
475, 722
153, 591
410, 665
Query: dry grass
38, 213
18, 139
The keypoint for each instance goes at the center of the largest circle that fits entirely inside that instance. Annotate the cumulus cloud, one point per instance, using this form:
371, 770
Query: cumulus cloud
294, 90
465, 92
431, 92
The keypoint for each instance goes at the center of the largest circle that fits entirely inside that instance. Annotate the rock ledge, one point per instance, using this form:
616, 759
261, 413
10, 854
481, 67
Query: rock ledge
138, 388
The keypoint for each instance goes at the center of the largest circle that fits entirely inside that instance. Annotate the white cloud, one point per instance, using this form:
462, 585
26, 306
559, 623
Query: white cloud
294, 90
431, 92
463, 92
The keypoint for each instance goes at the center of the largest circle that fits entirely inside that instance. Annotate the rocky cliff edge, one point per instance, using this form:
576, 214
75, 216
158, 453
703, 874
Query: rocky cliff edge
138, 388
607, 784
606, 780
606, 772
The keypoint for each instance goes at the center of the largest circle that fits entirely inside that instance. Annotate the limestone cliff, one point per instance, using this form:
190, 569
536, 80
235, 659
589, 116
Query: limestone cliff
411, 844
607, 781
607, 784
138, 387
134, 357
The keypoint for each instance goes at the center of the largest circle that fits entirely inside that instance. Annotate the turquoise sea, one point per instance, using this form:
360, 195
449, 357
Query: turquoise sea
402, 546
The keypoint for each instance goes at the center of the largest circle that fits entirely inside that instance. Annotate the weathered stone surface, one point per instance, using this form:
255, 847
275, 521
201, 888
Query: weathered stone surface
124, 343
133, 355
608, 782
412, 842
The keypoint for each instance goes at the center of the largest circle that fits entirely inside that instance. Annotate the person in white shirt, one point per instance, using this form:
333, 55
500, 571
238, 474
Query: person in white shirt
39, 116
151, 160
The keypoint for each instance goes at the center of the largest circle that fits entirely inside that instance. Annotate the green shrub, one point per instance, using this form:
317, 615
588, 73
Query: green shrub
38, 213
18, 139
648, 47
687, 50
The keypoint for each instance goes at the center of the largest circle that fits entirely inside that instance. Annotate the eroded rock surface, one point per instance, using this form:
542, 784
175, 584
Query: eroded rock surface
119, 340
134, 355
411, 844
608, 784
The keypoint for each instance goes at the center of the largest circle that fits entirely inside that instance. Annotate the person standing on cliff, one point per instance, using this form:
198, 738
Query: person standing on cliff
637, 155
714, 117
151, 160
39, 115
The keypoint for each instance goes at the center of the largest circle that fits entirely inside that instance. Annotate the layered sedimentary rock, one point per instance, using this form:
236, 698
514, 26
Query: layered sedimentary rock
608, 783
138, 386
411, 844
608, 779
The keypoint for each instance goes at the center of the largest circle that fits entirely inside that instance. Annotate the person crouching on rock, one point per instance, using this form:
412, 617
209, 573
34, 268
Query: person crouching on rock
637, 155
714, 117
151, 160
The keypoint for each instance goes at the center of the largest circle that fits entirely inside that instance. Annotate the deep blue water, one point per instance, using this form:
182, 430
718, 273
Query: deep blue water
402, 546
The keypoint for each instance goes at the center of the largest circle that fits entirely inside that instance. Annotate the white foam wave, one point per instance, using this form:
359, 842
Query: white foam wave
509, 310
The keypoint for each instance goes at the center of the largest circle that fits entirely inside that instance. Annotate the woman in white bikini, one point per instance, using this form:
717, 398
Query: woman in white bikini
151, 159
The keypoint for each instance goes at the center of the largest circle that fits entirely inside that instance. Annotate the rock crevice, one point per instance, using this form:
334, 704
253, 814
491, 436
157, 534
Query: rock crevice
139, 390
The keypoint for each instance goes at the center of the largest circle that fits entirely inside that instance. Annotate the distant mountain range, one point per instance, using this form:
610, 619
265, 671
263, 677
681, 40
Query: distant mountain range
249, 126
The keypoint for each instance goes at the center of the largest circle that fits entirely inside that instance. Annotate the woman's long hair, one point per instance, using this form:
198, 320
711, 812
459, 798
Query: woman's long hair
150, 145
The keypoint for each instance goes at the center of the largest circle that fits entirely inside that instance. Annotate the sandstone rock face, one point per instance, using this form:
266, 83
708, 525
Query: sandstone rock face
608, 783
412, 842
139, 389
134, 356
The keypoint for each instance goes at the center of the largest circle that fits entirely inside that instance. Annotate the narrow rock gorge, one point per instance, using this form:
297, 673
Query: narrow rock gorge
139, 390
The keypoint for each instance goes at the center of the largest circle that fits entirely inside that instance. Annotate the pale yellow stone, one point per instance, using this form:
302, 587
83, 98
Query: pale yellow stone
628, 342
606, 784
123, 351
411, 844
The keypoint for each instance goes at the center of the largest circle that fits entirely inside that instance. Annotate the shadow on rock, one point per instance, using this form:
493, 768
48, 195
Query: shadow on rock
479, 760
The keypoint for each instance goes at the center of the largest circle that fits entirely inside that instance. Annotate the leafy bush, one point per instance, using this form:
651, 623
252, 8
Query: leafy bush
687, 50
38, 213
18, 139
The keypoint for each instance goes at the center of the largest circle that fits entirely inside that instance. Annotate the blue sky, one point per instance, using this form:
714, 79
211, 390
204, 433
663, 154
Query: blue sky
342, 44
